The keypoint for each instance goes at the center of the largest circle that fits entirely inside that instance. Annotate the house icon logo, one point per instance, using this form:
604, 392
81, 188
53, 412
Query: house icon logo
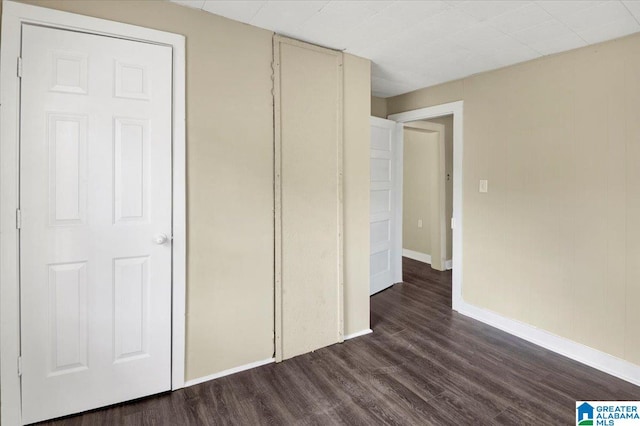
584, 415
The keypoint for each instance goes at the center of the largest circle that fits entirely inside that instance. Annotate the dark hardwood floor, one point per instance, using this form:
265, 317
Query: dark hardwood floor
424, 364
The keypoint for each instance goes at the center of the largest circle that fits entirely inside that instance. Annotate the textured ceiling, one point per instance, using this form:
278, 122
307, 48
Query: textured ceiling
415, 44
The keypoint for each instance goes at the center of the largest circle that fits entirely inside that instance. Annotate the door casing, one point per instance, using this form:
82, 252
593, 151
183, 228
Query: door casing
14, 15
457, 110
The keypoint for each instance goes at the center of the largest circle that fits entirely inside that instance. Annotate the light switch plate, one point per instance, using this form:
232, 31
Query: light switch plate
484, 186
419, 223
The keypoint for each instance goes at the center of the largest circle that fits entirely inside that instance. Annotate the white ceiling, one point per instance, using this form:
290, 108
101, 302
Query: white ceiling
415, 44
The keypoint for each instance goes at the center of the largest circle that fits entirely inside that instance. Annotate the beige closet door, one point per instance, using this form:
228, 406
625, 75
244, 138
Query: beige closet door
308, 105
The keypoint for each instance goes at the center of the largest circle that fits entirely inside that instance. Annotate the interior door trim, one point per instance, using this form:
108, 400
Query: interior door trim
14, 15
457, 110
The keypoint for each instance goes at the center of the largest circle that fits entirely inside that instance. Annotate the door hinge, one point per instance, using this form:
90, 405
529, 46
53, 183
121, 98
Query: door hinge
18, 219
19, 67
19, 366
453, 223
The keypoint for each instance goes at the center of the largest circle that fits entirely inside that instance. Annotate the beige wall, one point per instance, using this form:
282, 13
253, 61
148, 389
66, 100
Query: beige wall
357, 92
555, 242
419, 183
378, 107
230, 180
424, 179
447, 122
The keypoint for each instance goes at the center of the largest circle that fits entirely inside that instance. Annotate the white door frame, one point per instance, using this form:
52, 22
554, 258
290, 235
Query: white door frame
455, 108
14, 15
399, 188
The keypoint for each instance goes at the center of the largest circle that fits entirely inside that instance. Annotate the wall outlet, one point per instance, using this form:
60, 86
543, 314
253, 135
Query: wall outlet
484, 186
419, 223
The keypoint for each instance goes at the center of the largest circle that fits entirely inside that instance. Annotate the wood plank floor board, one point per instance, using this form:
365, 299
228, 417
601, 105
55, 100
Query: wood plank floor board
458, 379
513, 417
424, 364
363, 392
464, 357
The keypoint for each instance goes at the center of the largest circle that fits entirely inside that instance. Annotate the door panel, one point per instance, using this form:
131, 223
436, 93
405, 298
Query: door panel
131, 160
385, 200
95, 171
68, 317
130, 306
67, 168
309, 241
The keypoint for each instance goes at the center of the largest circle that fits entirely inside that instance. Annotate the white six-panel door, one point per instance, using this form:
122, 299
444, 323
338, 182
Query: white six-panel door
385, 204
95, 198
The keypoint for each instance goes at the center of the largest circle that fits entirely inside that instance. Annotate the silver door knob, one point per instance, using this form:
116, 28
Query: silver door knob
161, 239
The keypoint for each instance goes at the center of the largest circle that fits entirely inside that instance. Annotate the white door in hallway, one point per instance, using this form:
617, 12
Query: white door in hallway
385, 204
95, 200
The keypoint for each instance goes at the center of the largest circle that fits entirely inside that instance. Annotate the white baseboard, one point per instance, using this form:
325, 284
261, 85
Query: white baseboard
228, 372
425, 258
592, 357
416, 255
358, 334
584, 354
256, 364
